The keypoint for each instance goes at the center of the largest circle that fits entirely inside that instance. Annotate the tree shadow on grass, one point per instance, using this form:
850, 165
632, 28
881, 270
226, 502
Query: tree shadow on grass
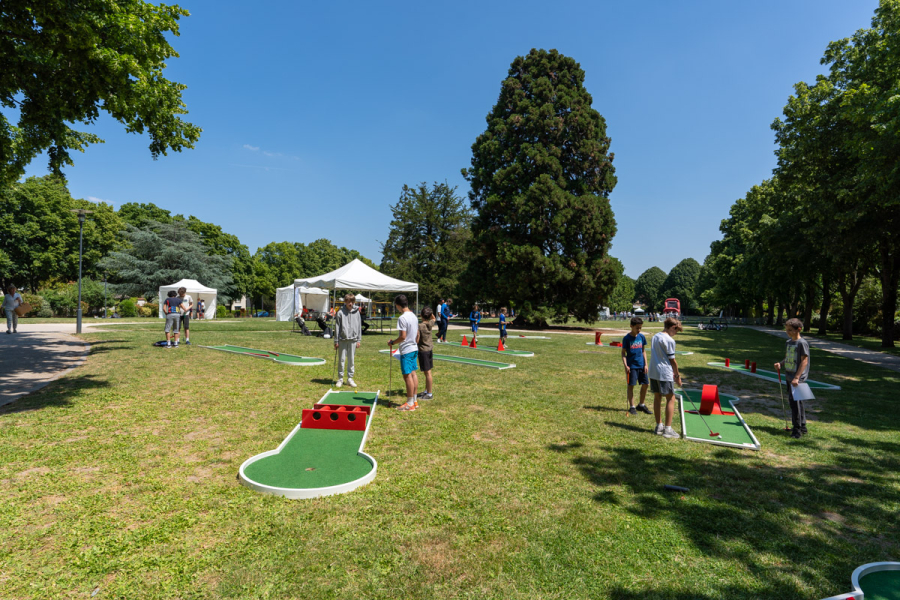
59, 393
793, 528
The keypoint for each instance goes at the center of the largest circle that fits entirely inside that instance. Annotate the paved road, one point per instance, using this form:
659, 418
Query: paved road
35, 356
871, 357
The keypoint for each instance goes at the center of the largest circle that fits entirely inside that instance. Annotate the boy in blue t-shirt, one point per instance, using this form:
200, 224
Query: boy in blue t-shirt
502, 325
475, 319
633, 348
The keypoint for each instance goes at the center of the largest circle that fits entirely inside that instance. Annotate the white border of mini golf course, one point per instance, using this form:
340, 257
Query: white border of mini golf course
733, 400
861, 572
609, 345
446, 357
320, 361
302, 493
721, 365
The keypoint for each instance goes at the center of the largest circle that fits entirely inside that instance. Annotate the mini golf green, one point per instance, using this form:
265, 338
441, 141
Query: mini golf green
475, 362
316, 462
733, 429
772, 376
517, 337
874, 581
285, 359
495, 351
608, 345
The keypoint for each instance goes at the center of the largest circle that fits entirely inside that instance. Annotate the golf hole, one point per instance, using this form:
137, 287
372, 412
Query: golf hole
351, 417
317, 415
334, 416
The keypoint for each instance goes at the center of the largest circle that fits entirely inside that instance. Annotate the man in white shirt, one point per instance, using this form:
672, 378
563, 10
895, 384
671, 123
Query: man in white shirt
408, 326
664, 375
187, 304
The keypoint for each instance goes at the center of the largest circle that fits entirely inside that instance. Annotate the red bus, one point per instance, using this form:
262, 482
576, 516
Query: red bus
672, 305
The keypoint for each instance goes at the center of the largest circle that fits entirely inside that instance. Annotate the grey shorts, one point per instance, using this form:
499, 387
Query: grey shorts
662, 387
173, 321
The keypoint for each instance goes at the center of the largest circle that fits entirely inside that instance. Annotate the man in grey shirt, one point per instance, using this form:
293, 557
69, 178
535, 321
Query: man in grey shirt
347, 337
796, 369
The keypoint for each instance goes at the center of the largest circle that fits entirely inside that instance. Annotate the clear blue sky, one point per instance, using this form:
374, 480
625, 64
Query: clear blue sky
315, 114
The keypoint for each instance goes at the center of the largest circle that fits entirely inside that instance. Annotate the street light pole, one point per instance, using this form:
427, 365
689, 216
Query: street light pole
82, 213
105, 307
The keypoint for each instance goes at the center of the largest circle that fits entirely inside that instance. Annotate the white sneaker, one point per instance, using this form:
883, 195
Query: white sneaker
660, 429
339, 383
670, 433
351, 383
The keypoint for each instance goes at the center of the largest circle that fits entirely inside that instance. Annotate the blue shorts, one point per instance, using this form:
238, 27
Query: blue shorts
503, 332
474, 327
637, 376
408, 362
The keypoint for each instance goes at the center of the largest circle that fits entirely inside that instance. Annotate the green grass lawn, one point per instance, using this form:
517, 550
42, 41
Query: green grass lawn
860, 341
530, 483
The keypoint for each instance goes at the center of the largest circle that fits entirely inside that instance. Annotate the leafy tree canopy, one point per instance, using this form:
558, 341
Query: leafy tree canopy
541, 176
39, 233
63, 62
163, 253
139, 214
622, 297
680, 283
428, 239
648, 288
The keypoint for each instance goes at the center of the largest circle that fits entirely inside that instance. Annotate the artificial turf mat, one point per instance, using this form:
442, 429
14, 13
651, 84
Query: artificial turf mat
730, 427
772, 376
276, 356
881, 585
314, 458
465, 360
494, 350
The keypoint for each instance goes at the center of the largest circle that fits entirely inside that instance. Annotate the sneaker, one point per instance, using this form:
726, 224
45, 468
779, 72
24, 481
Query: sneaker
176, 344
339, 383
645, 409
187, 343
351, 383
428, 396
796, 434
660, 429
421, 394
632, 411
168, 346
408, 407
8, 332
670, 433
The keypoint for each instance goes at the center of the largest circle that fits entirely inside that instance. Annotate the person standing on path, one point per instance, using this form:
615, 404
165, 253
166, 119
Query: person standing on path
445, 319
11, 301
347, 338
796, 369
187, 304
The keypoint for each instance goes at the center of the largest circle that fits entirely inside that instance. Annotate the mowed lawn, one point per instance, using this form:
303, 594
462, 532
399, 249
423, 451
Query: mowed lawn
121, 479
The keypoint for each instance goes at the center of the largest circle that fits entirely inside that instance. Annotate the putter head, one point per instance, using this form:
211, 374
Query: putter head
712, 434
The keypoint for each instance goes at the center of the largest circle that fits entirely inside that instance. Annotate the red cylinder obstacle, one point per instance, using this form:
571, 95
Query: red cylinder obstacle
753, 367
747, 363
727, 362
597, 341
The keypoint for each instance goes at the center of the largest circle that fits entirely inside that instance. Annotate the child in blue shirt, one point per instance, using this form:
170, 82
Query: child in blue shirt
475, 319
633, 348
502, 325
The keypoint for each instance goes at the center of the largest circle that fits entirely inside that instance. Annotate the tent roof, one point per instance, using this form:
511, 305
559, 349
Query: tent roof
192, 285
361, 298
356, 275
304, 290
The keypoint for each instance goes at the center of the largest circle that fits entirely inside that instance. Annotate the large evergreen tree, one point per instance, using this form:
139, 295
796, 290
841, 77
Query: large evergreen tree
541, 176
163, 253
428, 238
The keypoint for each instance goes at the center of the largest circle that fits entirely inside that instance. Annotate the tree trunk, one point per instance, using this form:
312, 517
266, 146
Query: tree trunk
808, 306
848, 286
890, 276
779, 321
826, 304
770, 317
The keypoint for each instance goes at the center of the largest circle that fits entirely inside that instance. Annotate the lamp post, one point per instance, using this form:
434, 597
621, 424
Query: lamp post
105, 307
82, 213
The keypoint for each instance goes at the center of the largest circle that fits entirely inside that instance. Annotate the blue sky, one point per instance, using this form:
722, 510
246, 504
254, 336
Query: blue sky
316, 114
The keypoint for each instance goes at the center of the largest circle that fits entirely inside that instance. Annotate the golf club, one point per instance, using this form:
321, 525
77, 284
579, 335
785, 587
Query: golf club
627, 403
390, 369
781, 389
334, 367
711, 432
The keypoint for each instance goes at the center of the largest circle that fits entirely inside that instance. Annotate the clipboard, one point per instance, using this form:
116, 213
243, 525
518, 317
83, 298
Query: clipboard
801, 392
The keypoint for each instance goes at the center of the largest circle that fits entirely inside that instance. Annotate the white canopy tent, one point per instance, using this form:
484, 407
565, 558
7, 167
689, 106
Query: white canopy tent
362, 299
196, 291
290, 299
358, 276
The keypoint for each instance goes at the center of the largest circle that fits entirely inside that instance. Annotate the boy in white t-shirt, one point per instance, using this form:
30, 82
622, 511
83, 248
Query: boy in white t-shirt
408, 325
664, 375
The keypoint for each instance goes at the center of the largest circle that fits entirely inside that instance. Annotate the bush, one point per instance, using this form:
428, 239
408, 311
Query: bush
145, 311
220, 311
127, 308
45, 312
36, 302
154, 308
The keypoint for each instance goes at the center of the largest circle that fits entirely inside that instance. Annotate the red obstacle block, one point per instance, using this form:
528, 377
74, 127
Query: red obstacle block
747, 363
335, 416
616, 344
500, 346
597, 335
753, 367
473, 343
727, 362
464, 342
710, 403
